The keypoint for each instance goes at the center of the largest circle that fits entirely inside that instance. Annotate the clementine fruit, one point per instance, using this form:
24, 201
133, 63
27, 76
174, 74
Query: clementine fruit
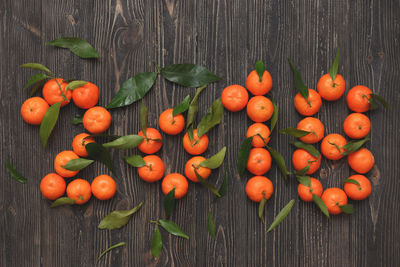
259, 161
177, 181
79, 143
259, 187
333, 198
103, 187
358, 98
361, 161
79, 190
332, 146
301, 158
154, 169
308, 108
260, 108
152, 143
358, 192
194, 164
96, 120
257, 87
234, 97
33, 110
52, 92
86, 96
61, 159
306, 192
52, 186
170, 124
314, 126
261, 129
331, 90
197, 146
356, 125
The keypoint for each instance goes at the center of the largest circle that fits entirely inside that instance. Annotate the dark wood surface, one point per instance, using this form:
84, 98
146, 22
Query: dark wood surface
227, 37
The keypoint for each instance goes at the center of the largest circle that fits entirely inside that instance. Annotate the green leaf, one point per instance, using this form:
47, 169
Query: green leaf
294, 132
37, 66
14, 173
77, 164
62, 201
212, 118
374, 98
118, 218
281, 215
308, 147
189, 75
172, 228
135, 161
133, 89
100, 154
321, 205
206, 184
215, 161
261, 209
243, 155
212, 229
143, 117
79, 47
260, 68
351, 181
279, 160
348, 208
36, 79
193, 109
36, 87
274, 117
304, 180
223, 188
301, 87
110, 248
75, 84
48, 122
334, 68
181, 107
303, 171
156, 243
77, 120
353, 146
169, 202
125, 142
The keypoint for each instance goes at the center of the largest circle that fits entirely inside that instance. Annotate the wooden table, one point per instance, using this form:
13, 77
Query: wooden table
227, 37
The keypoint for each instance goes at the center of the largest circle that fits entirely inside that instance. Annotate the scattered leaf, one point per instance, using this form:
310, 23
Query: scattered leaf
77, 164
374, 99
48, 122
260, 68
36, 79
348, 208
135, 161
172, 228
133, 89
181, 107
321, 205
279, 160
100, 153
281, 215
118, 218
353, 146
223, 188
308, 147
36, 87
215, 161
303, 171
301, 87
125, 142
211, 224
274, 117
351, 181
169, 202
110, 248
205, 183
189, 75
192, 110
77, 120
304, 180
261, 209
62, 201
143, 117
294, 132
335, 65
37, 66
79, 47
211, 119
243, 155
14, 173
156, 243
75, 84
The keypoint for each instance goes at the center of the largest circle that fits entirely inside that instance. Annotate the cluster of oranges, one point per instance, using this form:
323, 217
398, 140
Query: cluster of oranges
259, 109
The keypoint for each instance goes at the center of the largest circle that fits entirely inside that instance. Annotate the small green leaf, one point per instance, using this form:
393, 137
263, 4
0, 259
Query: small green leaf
351, 181
172, 228
181, 107
125, 142
143, 117
279, 160
243, 155
75, 84
37, 66
100, 154
223, 188
308, 147
79, 47
14, 173
193, 109
135, 161
212, 229
274, 117
281, 215
189, 75
215, 161
260, 68
77, 120
348, 208
206, 184
48, 122
301, 87
261, 209
353, 146
321, 205
62, 201
169, 202
110, 248
133, 89
36, 87
156, 243
77, 164
303, 171
118, 218
335, 65
294, 132
304, 180
211, 119
374, 98
36, 79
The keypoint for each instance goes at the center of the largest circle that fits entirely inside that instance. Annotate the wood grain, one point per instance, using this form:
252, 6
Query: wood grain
227, 37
